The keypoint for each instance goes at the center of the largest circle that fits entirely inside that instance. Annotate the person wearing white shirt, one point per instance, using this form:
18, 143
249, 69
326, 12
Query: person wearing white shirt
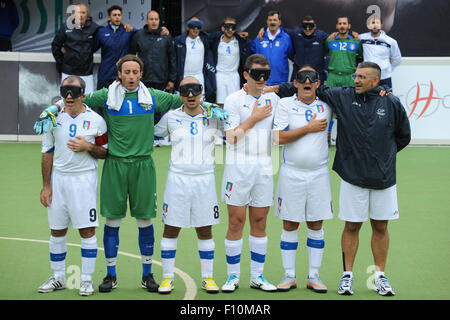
303, 193
248, 176
69, 171
190, 198
378, 47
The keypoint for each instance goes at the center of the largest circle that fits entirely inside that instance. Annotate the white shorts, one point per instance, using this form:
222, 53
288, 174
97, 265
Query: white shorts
227, 83
190, 201
88, 79
356, 203
74, 200
303, 195
247, 185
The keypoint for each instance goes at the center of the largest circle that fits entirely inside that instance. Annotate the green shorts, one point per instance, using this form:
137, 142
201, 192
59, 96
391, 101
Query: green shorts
128, 179
339, 79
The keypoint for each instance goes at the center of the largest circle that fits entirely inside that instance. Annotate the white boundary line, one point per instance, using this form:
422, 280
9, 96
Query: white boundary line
191, 288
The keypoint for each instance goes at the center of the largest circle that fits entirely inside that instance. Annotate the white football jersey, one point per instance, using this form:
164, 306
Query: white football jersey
228, 56
310, 151
256, 145
195, 53
192, 139
88, 124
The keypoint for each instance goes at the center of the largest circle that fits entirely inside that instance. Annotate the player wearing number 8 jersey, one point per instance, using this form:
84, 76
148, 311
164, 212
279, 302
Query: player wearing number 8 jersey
69, 169
303, 193
190, 198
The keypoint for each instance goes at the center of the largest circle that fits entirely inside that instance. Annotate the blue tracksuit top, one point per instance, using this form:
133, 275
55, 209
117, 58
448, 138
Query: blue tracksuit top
115, 45
277, 51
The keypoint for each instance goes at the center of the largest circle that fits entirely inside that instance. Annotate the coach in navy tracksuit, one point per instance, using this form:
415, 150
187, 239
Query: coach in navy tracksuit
372, 130
114, 41
276, 46
209, 72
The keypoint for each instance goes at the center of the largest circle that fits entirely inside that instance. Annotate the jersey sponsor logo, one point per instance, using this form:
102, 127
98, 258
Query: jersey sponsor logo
356, 104
381, 112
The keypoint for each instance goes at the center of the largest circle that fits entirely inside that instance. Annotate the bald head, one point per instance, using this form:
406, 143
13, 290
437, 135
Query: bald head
189, 79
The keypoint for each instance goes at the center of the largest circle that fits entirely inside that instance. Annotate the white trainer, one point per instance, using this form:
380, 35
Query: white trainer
53, 283
382, 286
86, 288
232, 284
263, 284
346, 285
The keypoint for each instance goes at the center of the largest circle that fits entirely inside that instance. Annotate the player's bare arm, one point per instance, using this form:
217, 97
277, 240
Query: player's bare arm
80, 144
46, 192
258, 114
288, 136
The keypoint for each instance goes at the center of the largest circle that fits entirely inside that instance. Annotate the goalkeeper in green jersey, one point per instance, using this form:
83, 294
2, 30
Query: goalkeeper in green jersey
128, 171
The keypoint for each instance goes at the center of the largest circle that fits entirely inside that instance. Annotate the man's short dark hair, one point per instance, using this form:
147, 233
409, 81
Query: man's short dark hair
343, 16
274, 12
72, 78
114, 7
256, 58
308, 18
371, 65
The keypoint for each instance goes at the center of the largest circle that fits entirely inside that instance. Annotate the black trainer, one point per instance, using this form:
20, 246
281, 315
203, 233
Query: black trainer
149, 283
109, 283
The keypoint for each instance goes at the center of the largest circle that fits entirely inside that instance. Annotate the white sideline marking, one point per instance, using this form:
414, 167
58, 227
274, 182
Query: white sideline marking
191, 288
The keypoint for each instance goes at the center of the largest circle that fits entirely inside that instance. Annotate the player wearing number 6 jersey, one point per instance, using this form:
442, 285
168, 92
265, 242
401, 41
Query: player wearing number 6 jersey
190, 198
69, 170
303, 193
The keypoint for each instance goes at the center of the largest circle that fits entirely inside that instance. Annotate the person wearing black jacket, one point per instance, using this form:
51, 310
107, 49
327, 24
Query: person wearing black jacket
373, 128
73, 47
158, 54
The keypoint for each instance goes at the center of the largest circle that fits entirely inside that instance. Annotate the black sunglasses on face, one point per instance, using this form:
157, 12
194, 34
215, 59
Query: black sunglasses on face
74, 91
301, 76
258, 73
308, 25
231, 26
194, 88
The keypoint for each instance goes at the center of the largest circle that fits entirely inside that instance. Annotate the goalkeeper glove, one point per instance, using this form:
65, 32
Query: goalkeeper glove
46, 119
213, 110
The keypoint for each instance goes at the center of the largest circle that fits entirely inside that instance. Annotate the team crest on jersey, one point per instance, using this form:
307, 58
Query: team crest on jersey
165, 207
280, 201
320, 108
205, 122
229, 186
268, 102
86, 124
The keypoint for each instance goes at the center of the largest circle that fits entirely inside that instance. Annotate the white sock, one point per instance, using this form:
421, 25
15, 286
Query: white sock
379, 274
258, 249
206, 252
288, 246
315, 244
168, 252
58, 251
88, 257
233, 249
348, 273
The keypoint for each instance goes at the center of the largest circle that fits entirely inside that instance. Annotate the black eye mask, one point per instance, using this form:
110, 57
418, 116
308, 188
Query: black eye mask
301, 76
74, 91
258, 73
194, 88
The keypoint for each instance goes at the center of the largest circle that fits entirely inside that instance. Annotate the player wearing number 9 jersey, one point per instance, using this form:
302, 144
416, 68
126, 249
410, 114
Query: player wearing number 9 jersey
69, 169
190, 198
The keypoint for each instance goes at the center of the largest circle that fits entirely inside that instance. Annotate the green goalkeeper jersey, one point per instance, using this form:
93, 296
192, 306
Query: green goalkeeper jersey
343, 53
131, 129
